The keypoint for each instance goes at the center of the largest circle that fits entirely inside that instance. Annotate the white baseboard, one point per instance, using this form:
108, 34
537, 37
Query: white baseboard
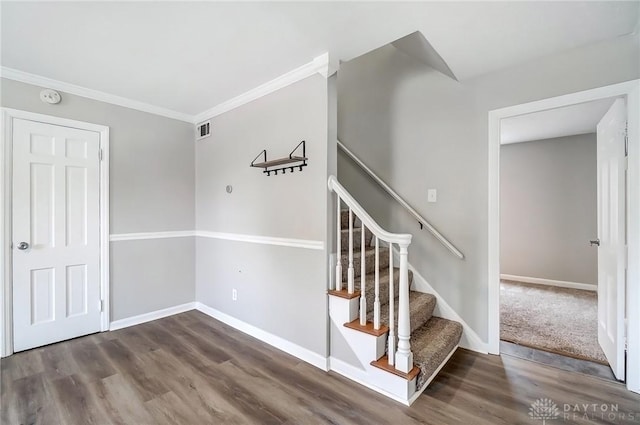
550, 282
360, 376
470, 339
289, 347
154, 315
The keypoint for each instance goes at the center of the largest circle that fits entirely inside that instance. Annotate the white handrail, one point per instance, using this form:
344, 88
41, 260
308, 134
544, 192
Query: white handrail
402, 357
399, 238
402, 202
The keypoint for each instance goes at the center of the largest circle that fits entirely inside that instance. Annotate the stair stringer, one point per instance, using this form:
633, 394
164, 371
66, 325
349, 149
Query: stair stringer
367, 348
470, 339
432, 377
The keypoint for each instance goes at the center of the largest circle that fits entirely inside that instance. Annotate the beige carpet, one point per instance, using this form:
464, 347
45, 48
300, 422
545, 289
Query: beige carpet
559, 320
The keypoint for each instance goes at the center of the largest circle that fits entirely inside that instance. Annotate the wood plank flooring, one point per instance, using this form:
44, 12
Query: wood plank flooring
192, 369
557, 360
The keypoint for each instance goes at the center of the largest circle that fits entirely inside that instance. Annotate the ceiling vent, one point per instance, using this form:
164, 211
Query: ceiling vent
203, 130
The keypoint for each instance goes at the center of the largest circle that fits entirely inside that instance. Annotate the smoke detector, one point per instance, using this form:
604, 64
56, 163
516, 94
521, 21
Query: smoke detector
50, 96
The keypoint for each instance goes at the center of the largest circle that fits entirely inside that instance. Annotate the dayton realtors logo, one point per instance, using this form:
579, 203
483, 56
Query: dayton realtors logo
545, 409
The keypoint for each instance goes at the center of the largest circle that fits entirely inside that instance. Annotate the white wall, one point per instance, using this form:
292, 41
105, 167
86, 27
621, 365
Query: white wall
151, 190
281, 290
548, 202
419, 129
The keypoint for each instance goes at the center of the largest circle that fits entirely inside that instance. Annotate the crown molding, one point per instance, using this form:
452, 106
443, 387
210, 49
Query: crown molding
318, 65
37, 80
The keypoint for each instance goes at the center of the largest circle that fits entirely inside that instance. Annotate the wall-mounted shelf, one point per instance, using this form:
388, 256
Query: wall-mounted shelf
290, 163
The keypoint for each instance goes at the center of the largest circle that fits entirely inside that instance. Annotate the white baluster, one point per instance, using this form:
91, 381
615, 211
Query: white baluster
391, 352
376, 301
350, 283
363, 279
404, 356
339, 253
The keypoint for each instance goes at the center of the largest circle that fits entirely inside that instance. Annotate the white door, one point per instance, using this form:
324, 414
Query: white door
56, 242
611, 232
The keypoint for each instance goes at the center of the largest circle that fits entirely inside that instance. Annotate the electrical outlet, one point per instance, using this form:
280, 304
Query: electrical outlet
234, 294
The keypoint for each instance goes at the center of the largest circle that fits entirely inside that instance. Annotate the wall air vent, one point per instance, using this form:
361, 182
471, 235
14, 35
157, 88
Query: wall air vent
203, 130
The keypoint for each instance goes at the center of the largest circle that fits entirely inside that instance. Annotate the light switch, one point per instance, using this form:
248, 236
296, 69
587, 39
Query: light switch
432, 195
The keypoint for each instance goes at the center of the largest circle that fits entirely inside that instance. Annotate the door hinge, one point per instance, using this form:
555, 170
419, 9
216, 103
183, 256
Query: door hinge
100, 154
626, 139
626, 333
101, 306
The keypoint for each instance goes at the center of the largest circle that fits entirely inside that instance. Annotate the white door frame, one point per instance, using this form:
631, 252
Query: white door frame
631, 91
6, 174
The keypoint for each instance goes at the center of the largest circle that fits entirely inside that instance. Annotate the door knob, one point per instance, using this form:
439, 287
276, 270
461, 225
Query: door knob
23, 245
595, 242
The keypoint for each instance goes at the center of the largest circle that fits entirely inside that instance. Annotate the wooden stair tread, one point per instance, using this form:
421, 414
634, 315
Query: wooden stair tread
368, 328
344, 294
383, 363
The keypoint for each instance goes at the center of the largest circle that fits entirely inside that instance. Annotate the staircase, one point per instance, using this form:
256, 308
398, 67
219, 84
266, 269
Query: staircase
399, 344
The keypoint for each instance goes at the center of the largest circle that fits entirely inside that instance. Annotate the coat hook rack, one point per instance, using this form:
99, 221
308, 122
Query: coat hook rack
275, 165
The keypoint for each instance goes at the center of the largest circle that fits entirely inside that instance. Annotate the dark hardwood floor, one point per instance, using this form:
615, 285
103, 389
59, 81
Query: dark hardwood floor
557, 360
191, 369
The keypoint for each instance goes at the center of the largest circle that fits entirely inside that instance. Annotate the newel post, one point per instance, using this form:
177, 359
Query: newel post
404, 356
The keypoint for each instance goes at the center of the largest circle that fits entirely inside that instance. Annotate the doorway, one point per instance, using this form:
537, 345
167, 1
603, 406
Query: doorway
55, 193
550, 199
625, 308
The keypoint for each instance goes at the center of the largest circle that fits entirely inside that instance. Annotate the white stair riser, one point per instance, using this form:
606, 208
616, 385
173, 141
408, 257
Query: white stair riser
365, 346
343, 310
394, 384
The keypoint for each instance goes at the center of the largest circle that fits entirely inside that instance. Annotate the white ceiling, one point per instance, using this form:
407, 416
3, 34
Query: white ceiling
571, 120
189, 57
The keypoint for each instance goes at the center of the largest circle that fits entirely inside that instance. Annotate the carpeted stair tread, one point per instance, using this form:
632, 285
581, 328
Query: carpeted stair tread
357, 239
432, 338
344, 219
421, 308
432, 343
370, 262
384, 285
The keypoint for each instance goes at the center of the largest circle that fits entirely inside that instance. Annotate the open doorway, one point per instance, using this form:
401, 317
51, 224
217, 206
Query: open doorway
549, 227
619, 310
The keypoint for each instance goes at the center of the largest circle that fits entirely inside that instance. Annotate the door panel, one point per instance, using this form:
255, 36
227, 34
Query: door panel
56, 279
42, 295
611, 232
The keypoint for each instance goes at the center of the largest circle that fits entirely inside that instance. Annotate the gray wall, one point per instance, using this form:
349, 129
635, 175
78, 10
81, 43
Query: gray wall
548, 201
151, 190
281, 290
418, 129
